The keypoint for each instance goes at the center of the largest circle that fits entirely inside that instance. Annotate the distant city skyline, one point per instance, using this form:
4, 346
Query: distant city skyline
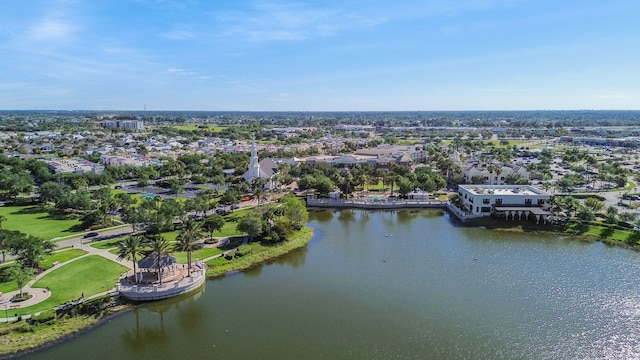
349, 55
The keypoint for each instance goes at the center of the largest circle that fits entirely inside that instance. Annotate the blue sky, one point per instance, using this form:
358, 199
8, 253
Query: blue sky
321, 55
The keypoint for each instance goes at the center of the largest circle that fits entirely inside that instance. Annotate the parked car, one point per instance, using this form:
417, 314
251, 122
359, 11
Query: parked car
90, 234
221, 211
235, 207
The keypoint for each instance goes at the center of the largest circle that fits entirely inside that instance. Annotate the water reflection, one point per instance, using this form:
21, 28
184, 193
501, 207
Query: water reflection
141, 337
149, 321
428, 291
346, 215
321, 215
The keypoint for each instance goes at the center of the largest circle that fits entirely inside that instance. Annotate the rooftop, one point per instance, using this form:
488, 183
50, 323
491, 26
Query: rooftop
504, 190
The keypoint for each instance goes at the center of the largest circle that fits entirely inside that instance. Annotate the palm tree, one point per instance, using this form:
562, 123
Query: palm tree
129, 249
159, 248
258, 189
498, 170
187, 241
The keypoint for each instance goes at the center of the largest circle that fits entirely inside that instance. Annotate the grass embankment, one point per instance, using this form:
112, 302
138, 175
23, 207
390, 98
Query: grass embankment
258, 254
21, 336
595, 231
34, 220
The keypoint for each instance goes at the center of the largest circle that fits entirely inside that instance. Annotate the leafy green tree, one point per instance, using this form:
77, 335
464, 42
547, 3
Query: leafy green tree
405, 186
30, 250
21, 276
230, 196
612, 215
295, 211
130, 248
250, 223
213, 223
585, 215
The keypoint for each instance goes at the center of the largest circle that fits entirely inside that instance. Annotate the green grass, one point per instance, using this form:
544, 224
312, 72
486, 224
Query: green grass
229, 229
106, 244
33, 220
203, 253
259, 254
89, 275
7, 285
61, 257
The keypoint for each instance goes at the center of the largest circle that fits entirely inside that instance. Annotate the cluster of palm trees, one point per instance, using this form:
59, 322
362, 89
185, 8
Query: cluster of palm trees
156, 246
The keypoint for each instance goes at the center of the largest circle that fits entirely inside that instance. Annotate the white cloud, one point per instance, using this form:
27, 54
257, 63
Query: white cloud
50, 29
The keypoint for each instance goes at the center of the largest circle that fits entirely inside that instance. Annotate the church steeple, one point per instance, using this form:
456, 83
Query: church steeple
254, 153
254, 166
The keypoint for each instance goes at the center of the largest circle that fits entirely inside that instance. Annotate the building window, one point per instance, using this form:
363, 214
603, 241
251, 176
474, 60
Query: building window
485, 201
498, 201
527, 201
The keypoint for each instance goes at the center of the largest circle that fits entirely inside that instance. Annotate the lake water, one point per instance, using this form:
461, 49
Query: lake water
395, 285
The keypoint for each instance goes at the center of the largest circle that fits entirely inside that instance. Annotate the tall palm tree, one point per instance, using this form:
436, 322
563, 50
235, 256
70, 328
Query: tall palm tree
130, 248
187, 240
258, 190
159, 248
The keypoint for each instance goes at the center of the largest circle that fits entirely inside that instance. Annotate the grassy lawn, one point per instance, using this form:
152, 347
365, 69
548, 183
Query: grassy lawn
229, 229
259, 254
89, 275
203, 253
61, 257
7, 285
33, 220
106, 244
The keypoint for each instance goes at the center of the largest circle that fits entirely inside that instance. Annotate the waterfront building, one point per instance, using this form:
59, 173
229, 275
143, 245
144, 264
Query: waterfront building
485, 200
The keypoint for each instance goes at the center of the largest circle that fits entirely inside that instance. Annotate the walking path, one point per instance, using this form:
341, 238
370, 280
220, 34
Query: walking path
40, 294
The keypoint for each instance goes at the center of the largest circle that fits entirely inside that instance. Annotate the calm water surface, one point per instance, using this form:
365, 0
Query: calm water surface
430, 290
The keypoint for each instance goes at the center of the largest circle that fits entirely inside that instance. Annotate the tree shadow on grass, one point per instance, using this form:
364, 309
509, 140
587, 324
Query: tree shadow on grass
606, 232
30, 210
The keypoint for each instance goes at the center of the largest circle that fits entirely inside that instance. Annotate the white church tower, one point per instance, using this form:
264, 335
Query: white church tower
254, 167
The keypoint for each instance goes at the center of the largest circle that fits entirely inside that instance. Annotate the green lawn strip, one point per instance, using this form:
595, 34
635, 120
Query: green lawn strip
107, 244
89, 275
259, 254
181, 256
229, 229
170, 235
61, 257
33, 220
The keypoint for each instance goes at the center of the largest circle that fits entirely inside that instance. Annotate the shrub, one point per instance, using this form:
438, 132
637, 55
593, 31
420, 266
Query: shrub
243, 250
230, 255
44, 317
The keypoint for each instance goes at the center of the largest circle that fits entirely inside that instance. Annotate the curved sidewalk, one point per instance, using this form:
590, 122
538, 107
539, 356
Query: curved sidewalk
40, 295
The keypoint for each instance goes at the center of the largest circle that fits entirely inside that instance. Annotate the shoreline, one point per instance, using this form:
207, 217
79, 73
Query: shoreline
69, 335
300, 241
